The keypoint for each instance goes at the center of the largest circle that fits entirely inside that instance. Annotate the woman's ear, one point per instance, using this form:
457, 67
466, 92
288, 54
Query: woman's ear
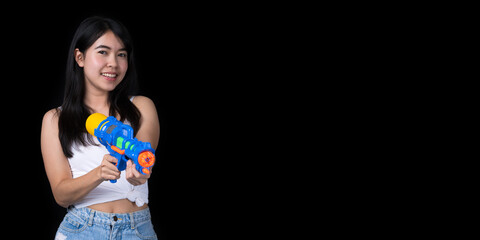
79, 57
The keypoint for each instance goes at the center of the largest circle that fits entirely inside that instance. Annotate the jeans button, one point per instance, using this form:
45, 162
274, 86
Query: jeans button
115, 218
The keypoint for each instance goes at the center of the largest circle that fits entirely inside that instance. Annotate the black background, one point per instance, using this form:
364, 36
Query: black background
203, 66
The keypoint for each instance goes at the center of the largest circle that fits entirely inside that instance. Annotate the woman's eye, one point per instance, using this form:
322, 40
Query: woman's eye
122, 55
102, 52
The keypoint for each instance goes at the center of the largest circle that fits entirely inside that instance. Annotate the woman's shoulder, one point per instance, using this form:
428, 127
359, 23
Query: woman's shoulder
50, 121
146, 107
142, 102
51, 116
139, 98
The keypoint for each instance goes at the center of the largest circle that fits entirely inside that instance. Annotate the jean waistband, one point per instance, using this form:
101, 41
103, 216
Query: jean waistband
97, 217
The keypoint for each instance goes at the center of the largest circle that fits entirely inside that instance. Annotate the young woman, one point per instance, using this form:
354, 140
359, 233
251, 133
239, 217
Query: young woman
100, 76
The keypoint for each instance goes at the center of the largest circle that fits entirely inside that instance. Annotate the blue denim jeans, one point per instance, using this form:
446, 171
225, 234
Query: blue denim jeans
86, 223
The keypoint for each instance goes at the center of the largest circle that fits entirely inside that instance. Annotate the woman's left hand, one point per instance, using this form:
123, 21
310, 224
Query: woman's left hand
133, 176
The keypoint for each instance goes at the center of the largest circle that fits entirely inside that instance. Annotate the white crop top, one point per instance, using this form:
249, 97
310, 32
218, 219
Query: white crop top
85, 159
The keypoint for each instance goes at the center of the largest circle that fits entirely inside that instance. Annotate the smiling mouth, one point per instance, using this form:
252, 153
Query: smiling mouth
109, 75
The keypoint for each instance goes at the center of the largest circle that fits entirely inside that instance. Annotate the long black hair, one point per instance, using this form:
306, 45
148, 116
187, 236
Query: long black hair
74, 112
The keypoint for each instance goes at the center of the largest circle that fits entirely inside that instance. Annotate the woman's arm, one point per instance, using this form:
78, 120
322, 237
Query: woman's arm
149, 132
149, 125
67, 190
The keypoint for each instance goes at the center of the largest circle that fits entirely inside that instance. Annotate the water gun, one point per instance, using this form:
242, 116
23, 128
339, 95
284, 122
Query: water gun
118, 138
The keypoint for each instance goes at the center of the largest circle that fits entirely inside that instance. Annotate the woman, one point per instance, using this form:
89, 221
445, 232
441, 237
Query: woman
100, 76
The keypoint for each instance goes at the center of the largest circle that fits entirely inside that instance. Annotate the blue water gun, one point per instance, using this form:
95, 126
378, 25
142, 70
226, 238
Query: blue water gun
118, 138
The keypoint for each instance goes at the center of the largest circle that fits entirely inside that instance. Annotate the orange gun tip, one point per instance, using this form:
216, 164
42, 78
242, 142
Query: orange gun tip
146, 159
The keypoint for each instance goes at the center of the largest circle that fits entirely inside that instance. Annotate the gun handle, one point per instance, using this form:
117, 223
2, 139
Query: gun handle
118, 154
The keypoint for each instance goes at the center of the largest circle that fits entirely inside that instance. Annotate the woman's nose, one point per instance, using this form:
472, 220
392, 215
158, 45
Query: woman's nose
112, 61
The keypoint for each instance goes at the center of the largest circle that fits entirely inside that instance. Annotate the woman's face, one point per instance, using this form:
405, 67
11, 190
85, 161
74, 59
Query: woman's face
104, 63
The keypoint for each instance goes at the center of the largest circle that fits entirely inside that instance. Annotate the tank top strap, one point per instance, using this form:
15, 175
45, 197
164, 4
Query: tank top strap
131, 98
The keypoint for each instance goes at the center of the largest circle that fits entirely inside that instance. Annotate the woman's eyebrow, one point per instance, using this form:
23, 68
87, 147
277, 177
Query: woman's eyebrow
103, 46
109, 48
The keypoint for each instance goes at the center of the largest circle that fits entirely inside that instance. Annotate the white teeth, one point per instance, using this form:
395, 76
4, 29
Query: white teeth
109, 75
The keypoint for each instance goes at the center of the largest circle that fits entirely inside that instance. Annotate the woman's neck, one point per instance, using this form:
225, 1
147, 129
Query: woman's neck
98, 103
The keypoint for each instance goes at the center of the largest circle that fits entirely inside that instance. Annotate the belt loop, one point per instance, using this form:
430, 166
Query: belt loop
132, 221
90, 219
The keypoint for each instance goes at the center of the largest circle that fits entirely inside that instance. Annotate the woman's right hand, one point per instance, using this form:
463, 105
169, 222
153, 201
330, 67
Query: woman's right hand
108, 169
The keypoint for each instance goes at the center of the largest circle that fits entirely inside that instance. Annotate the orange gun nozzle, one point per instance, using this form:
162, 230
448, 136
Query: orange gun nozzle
146, 159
